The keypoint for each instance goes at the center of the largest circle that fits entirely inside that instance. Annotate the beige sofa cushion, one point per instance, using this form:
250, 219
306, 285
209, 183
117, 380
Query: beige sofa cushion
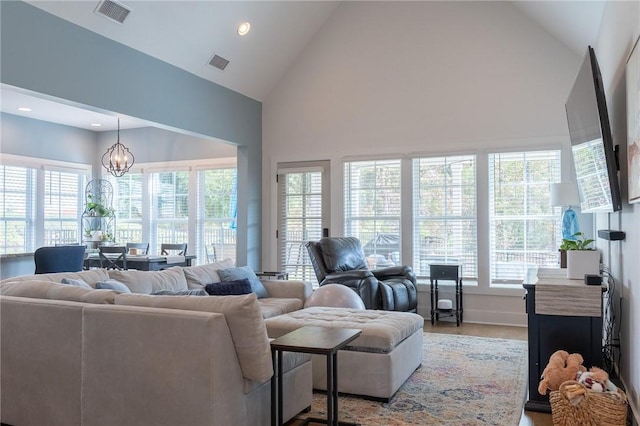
91, 277
199, 276
48, 290
147, 282
243, 316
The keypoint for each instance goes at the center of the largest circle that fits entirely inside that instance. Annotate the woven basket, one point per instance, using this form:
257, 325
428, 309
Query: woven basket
592, 409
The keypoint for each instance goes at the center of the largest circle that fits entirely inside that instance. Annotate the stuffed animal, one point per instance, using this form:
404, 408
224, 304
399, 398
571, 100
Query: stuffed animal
562, 366
597, 380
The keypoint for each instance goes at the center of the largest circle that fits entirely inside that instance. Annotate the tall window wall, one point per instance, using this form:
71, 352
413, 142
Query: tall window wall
40, 203
424, 210
179, 202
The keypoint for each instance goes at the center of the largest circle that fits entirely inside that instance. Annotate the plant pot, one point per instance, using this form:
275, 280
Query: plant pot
582, 262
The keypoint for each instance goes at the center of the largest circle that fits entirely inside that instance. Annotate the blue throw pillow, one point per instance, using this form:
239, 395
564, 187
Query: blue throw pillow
234, 274
77, 283
112, 285
229, 288
179, 293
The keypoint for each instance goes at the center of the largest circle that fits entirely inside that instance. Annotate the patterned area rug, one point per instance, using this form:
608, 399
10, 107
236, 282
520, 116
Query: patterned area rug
463, 380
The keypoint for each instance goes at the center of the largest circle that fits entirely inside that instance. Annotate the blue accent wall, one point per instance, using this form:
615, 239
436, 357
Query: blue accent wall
53, 57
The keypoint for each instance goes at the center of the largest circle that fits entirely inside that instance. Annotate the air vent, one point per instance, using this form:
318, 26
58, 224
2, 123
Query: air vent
218, 62
112, 10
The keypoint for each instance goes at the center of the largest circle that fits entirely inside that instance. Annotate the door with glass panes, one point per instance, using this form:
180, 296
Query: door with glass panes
303, 214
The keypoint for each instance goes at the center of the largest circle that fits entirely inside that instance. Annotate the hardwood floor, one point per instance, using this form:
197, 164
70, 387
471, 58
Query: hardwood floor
528, 418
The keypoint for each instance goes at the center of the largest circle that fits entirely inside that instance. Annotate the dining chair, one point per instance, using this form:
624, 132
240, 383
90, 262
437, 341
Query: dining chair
113, 262
143, 248
68, 258
210, 251
179, 249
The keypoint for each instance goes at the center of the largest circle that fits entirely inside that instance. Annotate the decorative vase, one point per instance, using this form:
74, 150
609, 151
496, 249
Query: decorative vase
563, 259
582, 262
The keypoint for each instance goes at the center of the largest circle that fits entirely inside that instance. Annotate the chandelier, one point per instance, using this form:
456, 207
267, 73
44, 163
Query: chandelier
118, 159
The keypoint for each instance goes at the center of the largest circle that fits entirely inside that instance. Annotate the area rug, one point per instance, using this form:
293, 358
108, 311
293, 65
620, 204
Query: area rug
463, 380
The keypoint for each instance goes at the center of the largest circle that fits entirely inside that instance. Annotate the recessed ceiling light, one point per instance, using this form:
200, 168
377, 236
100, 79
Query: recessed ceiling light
96, 125
24, 109
243, 28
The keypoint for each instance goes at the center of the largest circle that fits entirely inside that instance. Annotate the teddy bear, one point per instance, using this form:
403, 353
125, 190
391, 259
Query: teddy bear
597, 380
562, 366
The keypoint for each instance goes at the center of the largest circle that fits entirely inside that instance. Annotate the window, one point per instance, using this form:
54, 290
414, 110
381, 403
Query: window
373, 209
128, 205
217, 213
17, 234
41, 202
524, 228
444, 191
169, 208
63, 204
303, 206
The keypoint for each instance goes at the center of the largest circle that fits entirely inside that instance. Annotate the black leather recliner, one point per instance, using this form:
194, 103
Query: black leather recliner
341, 260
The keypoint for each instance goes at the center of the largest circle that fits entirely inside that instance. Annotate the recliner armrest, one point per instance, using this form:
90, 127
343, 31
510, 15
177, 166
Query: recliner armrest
348, 275
395, 271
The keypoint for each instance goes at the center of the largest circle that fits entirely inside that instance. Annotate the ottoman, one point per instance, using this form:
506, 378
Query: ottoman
374, 365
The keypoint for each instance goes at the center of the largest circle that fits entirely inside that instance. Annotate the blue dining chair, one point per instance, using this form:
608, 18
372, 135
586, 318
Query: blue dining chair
59, 259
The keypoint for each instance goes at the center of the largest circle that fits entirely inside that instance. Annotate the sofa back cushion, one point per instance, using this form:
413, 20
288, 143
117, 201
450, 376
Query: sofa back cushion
47, 290
147, 282
199, 276
243, 316
91, 277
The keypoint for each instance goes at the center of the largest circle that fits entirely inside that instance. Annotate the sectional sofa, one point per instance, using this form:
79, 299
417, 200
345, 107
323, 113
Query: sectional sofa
78, 356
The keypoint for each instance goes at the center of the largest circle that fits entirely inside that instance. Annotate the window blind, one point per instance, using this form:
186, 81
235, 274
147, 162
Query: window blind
445, 213
300, 219
524, 228
169, 208
372, 203
17, 207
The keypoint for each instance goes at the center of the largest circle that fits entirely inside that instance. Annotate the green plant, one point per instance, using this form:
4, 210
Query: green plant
576, 242
97, 207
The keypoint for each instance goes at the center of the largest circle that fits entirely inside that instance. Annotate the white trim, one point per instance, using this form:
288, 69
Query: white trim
43, 163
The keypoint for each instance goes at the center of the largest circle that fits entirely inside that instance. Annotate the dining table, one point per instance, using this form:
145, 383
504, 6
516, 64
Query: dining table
142, 262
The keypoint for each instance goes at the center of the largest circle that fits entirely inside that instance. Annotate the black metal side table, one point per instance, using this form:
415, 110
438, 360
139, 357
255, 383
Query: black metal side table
311, 340
446, 272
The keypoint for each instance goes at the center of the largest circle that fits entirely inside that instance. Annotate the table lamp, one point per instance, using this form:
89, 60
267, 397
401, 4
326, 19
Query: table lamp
565, 194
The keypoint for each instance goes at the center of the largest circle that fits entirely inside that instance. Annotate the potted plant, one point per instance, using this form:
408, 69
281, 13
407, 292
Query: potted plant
582, 259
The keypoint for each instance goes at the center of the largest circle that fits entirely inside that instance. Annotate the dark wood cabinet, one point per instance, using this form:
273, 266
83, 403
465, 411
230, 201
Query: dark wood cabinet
567, 316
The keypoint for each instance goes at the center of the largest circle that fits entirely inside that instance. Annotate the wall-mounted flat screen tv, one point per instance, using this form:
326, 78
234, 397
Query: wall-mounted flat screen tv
594, 156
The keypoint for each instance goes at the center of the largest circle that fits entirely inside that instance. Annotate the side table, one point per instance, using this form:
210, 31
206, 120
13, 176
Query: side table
272, 275
450, 272
312, 340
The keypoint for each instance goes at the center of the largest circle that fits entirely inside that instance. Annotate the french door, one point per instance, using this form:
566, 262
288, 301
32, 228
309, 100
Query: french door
303, 214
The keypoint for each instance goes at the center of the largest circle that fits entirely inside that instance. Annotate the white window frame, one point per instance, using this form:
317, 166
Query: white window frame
41, 165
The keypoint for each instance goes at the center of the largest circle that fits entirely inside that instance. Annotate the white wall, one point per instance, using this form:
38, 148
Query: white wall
397, 78
619, 30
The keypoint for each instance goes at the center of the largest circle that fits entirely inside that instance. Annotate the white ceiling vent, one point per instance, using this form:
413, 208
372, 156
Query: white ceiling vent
219, 62
112, 10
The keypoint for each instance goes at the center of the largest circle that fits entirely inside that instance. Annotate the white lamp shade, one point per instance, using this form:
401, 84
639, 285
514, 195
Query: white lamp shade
564, 194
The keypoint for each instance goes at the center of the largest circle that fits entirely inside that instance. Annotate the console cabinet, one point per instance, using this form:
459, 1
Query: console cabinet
562, 314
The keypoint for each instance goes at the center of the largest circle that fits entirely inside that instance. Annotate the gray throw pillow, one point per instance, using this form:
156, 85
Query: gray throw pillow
229, 288
234, 274
76, 282
112, 284
199, 292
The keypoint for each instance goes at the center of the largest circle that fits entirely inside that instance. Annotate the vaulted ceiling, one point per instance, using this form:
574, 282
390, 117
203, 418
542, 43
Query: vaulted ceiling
188, 34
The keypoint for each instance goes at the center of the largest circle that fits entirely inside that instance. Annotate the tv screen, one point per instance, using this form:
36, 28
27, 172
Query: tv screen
594, 156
